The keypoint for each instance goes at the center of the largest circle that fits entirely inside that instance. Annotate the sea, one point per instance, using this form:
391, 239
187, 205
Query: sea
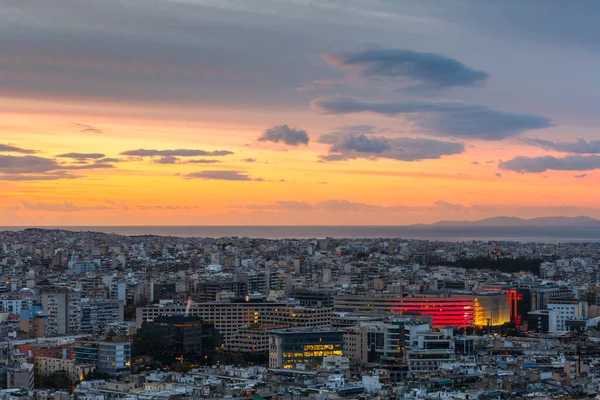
422, 232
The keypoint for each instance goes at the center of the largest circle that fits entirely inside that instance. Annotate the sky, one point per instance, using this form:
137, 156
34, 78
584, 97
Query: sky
297, 112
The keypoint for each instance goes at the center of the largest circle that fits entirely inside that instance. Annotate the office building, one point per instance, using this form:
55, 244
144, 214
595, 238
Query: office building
114, 357
307, 346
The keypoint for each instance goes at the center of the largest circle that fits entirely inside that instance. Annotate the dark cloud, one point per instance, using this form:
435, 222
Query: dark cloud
249, 160
82, 156
86, 166
26, 165
446, 118
358, 129
109, 160
220, 175
546, 163
352, 146
581, 176
429, 70
361, 144
285, 134
175, 153
87, 128
5, 148
167, 160
33, 168
579, 146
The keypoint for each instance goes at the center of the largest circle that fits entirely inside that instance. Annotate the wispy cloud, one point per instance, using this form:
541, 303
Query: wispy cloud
222, 175
82, 156
176, 153
579, 146
5, 148
446, 118
546, 163
87, 128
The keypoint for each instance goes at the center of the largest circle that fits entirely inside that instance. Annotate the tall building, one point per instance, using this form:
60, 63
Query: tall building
62, 308
307, 346
179, 337
96, 314
114, 357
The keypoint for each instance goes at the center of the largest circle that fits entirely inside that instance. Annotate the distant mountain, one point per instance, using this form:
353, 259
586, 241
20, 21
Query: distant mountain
515, 222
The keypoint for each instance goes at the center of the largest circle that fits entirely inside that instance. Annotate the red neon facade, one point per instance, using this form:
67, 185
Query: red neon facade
445, 311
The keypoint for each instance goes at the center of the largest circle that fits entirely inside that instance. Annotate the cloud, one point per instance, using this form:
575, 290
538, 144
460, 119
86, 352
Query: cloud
34, 168
249, 160
87, 128
428, 70
220, 175
352, 146
579, 146
361, 144
66, 206
175, 153
358, 129
581, 176
167, 160
170, 208
283, 205
26, 164
36, 177
546, 163
285, 134
325, 205
86, 166
109, 160
5, 148
202, 161
445, 118
449, 206
82, 156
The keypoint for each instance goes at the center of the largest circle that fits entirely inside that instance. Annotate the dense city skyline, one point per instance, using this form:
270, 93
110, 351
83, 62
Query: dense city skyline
216, 112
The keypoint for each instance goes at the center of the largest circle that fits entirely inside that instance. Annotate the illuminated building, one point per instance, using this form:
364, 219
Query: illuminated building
228, 318
493, 308
307, 346
446, 309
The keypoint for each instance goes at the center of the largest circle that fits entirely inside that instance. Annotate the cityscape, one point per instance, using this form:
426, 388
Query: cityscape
103, 316
299, 199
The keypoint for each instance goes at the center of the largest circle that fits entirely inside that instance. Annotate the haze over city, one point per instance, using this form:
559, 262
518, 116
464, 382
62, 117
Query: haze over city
217, 112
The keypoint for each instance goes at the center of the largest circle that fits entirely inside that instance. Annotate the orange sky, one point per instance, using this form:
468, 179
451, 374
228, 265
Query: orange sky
400, 115
142, 192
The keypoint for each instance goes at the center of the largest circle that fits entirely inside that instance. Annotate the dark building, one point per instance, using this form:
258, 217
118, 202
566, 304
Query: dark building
541, 321
207, 291
165, 290
178, 338
309, 298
